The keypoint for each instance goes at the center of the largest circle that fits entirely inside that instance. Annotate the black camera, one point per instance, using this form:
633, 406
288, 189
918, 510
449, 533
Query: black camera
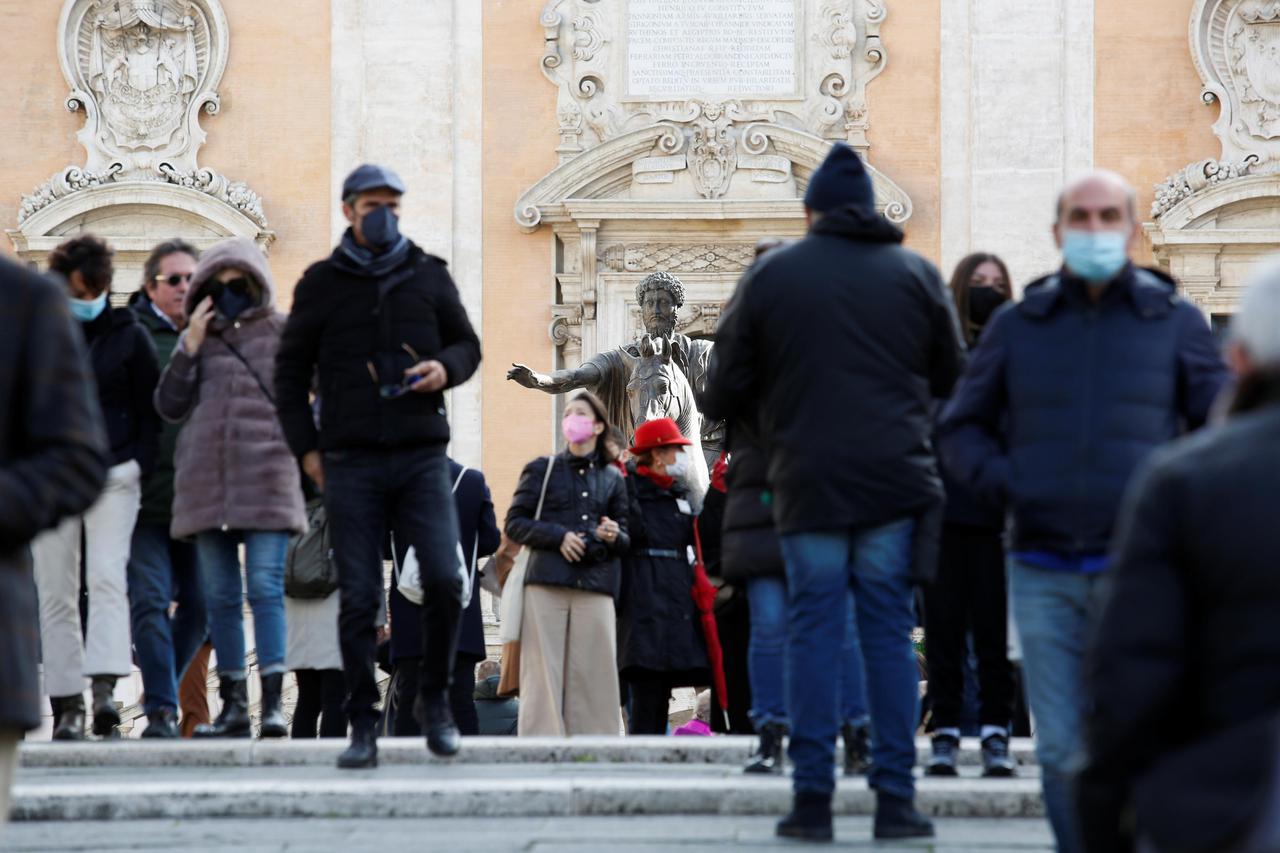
597, 551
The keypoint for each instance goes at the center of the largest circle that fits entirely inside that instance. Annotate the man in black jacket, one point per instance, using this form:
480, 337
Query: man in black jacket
382, 322
840, 342
1066, 394
53, 463
1184, 672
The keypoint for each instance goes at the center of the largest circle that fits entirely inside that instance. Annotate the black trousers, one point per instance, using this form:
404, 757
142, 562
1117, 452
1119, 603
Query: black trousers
462, 701
651, 702
968, 595
321, 695
366, 493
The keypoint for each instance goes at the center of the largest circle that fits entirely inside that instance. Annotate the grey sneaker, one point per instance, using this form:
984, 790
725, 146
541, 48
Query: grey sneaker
943, 760
996, 760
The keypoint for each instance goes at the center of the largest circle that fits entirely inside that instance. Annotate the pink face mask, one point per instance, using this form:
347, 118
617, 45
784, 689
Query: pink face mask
578, 428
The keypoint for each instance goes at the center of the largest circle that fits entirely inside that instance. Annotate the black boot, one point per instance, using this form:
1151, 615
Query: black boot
810, 818
105, 715
362, 754
898, 818
162, 724
273, 724
857, 749
770, 756
70, 718
233, 719
443, 737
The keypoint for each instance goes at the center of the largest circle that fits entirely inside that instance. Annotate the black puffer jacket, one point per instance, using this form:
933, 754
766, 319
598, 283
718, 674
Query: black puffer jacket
125, 366
581, 491
659, 629
344, 323
840, 341
749, 547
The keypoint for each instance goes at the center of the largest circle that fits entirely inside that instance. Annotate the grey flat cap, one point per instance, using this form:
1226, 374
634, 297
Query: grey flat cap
371, 177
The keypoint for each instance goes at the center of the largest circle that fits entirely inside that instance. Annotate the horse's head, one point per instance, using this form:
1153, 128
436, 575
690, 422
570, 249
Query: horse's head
652, 390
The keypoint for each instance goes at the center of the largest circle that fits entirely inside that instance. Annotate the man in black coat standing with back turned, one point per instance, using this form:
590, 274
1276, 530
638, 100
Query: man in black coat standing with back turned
382, 321
53, 462
841, 342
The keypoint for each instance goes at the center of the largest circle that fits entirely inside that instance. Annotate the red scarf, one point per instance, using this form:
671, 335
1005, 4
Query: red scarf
660, 480
717, 474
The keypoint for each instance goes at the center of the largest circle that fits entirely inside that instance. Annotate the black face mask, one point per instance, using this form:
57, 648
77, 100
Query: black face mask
983, 302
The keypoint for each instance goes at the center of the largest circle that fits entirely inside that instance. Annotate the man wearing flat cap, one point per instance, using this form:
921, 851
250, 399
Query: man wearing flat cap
381, 330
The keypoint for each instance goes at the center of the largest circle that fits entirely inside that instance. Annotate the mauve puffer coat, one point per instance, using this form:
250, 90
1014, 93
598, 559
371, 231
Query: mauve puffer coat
234, 470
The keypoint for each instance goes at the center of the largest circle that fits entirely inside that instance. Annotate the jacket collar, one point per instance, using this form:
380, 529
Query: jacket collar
855, 223
1149, 293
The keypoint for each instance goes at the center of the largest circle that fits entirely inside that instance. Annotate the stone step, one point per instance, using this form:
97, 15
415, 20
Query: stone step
730, 751
433, 790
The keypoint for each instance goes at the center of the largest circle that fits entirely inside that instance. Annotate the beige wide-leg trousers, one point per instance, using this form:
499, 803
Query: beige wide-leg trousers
108, 532
568, 663
9, 740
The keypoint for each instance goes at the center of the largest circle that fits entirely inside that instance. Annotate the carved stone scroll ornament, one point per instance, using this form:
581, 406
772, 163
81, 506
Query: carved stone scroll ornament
1198, 176
143, 72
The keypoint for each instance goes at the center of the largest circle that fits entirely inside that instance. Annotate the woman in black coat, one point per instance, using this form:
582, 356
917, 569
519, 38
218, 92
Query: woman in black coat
660, 642
568, 632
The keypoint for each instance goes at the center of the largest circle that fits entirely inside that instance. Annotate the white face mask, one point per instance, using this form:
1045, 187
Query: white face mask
677, 468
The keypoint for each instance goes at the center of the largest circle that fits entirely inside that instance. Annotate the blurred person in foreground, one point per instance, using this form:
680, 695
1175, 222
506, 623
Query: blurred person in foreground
53, 464
1183, 679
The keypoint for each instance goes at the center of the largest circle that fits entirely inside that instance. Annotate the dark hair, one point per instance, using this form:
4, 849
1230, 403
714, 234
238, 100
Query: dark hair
177, 246
615, 435
960, 288
88, 256
602, 416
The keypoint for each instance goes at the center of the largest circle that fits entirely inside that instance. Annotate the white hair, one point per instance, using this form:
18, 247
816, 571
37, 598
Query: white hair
1256, 326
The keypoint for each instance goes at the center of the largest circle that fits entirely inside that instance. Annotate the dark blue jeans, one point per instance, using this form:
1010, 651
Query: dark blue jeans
161, 571
822, 567
226, 589
367, 493
766, 657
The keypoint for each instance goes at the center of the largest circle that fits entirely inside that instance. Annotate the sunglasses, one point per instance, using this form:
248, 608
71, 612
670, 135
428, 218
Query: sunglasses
404, 386
175, 279
239, 286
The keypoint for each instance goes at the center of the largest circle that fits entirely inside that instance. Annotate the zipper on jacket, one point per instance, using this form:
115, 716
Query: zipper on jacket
1090, 373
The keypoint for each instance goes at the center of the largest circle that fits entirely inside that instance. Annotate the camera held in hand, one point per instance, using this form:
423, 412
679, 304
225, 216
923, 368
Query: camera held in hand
597, 551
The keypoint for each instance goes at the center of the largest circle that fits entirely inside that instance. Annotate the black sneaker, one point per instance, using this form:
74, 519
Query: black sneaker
810, 819
857, 749
898, 818
943, 760
996, 760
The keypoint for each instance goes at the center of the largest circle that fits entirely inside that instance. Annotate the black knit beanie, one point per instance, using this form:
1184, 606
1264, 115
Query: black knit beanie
841, 181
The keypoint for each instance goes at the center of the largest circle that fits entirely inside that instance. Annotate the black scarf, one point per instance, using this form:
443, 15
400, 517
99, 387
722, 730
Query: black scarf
363, 261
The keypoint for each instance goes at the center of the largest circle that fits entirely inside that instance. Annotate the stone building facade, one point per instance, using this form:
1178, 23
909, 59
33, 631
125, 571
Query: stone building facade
558, 150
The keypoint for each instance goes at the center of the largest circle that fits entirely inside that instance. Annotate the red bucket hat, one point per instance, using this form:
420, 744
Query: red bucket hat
660, 433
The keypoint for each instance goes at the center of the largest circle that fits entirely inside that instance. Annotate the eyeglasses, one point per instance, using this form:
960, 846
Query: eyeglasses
175, 279
404, 386
239, 286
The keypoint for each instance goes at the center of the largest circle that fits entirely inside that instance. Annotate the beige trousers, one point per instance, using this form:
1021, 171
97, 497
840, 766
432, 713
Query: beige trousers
108, 531
9, 740
568, 663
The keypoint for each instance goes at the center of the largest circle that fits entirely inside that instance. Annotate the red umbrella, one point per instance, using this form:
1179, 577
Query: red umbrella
704, 596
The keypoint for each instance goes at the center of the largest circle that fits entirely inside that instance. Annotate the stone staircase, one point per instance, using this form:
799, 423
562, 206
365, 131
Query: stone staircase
497, 777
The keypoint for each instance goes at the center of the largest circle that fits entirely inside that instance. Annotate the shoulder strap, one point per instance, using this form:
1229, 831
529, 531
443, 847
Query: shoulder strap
546, 478
239, 355
458, 481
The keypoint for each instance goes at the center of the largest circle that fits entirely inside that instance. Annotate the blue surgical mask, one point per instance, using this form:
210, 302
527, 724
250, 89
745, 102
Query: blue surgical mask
380, 228
88, 310
231, 304
1095, 256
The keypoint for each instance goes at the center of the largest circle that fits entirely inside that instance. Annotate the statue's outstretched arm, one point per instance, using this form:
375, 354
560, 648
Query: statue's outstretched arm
556, 382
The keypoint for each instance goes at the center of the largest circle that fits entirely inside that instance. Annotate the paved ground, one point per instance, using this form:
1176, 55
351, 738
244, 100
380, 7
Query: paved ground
578, 835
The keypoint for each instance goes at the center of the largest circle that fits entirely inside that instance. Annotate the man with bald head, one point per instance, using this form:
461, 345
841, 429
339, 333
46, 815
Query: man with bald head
1066, 393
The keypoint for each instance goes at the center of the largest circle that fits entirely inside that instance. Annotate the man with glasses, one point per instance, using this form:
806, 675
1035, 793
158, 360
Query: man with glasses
162, 569
382, 322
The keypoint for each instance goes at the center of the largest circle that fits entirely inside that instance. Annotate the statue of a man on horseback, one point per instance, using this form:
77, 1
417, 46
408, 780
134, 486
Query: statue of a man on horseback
609, 374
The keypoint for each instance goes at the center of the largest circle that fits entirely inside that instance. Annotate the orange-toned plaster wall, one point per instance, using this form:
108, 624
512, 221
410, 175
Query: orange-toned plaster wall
1149, 120
905, 117
272, 131
519, 148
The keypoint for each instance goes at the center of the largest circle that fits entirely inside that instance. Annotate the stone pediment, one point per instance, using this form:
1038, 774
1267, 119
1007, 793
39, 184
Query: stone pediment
624, 170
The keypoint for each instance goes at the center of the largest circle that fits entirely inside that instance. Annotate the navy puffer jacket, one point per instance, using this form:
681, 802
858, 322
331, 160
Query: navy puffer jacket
1063, 398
